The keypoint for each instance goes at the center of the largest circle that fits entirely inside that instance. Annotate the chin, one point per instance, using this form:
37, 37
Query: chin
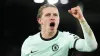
53, 29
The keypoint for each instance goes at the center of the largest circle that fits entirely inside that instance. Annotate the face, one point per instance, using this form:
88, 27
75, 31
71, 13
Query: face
49, 20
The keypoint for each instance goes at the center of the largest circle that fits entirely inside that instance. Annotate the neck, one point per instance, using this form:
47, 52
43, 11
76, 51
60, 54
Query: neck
47, 34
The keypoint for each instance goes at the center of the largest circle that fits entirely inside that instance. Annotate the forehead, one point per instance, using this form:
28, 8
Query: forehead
50, 10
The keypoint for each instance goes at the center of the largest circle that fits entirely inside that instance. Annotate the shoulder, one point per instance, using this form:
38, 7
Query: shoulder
65, 33
68, 34
30, 39
27, 43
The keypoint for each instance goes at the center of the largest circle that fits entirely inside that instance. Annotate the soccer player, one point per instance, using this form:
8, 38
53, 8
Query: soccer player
52, 42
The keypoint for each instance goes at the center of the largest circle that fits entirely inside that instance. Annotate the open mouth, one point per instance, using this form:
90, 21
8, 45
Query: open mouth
52, 24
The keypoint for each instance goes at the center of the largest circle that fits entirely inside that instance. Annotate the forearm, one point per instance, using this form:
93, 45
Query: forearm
89, 41
88, 34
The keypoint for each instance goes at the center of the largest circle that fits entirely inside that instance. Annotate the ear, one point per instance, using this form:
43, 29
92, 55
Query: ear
39, 20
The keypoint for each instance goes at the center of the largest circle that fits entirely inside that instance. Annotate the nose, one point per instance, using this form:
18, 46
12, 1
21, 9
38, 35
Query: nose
52, 19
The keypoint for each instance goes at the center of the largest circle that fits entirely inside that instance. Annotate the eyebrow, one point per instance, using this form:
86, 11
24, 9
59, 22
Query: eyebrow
51, 13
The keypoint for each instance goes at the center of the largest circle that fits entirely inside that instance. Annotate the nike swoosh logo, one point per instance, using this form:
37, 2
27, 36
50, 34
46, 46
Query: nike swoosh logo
33, 51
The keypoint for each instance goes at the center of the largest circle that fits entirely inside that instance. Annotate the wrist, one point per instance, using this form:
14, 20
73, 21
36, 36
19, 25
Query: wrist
82, 20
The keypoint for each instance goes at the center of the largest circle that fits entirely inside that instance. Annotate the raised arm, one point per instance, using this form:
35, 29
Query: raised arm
89, 42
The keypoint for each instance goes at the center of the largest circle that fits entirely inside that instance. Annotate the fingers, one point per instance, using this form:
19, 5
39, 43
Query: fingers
69, 11
74, 10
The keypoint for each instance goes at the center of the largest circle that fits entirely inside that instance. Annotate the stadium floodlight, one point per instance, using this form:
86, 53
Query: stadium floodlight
38, 1
64, 1
52, 1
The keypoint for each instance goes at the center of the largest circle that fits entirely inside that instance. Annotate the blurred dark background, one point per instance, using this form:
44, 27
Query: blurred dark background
20, 22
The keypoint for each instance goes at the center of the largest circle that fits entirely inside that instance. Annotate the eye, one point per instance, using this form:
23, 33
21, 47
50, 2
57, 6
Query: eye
48, 14
55, 14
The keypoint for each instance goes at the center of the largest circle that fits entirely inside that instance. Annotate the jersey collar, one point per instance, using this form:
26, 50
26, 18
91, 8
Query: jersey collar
49, 38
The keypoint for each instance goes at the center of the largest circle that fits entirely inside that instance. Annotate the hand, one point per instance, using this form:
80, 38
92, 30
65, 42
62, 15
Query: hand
76, 12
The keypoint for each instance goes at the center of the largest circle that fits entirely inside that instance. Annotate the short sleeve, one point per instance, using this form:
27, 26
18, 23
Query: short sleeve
72, 40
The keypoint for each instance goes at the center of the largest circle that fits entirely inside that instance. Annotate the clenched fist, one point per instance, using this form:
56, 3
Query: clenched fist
76, 12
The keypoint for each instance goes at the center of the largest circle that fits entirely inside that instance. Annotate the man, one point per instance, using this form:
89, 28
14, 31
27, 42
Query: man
52, 42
